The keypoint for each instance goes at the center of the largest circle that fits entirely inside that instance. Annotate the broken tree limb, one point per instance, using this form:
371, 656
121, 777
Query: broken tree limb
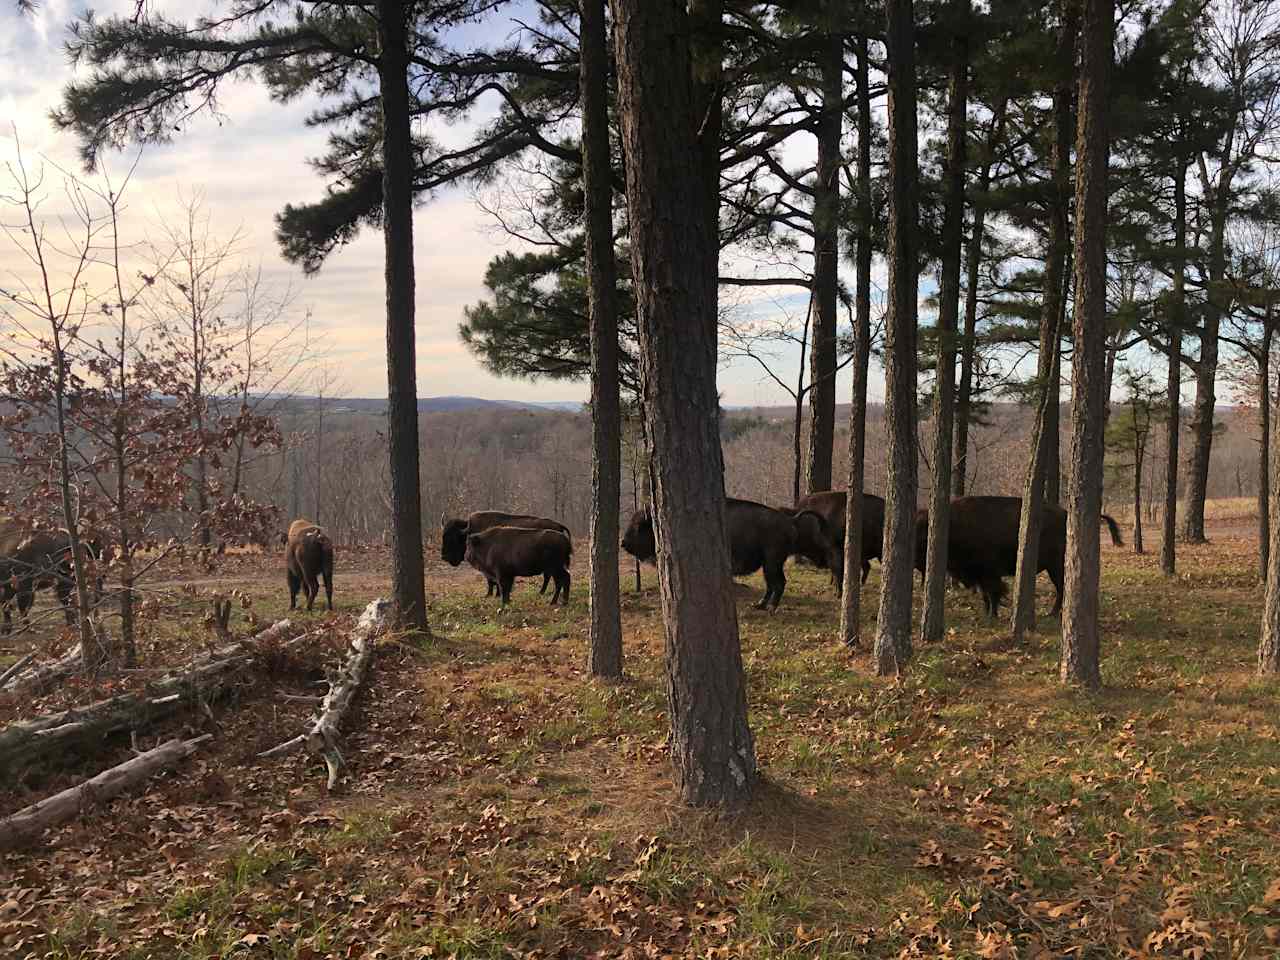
30, 821
40, 677
200, 680
16, 668
323, 735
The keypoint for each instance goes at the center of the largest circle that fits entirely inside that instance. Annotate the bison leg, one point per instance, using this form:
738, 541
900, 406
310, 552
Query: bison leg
866, 570
328, 584
63, 590
492, 587
775, 582
504, 587
546, 579
311, 586
295, 584
1056, 577
562, 587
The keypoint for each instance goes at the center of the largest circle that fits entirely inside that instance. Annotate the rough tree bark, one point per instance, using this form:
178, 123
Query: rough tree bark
668, 61
1080, 640
893, 629
1173, 421
1206, 378
851, 593
605, 658
1264, 458
973, 266
407, 572
1045, 432
1269, 641
826, 256
933, 621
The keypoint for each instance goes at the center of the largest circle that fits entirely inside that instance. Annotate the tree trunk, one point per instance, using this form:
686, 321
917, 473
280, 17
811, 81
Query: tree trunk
1269, 642
407, 573
1080, 640
1177, 323
851, 591
1137, 494
893, 630
1053, 411
969, 342
1045, 432
606, 411
29, 822
1264, 460
668, 63
826, 257
797, 423
933, 621
1206, 380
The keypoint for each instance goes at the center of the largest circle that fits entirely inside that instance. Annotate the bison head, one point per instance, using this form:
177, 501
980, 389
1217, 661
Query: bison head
453, 542
813, 542
638, 539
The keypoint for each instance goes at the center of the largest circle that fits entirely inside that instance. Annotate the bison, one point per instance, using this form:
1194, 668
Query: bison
503, 553
39, 560
982, 548
308, 556
454, 533
830, 505
759, 537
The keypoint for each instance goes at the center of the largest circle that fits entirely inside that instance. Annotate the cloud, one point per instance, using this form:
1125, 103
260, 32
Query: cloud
252, 160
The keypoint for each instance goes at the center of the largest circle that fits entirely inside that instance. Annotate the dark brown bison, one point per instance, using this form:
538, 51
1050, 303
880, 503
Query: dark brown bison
830, 505
759, 537
982, 546
308, 556
504, 553
38, 560
454, 533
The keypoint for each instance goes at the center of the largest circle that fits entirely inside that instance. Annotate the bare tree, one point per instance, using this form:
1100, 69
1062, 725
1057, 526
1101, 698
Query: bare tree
933, 621
850, 597
893, 631
1080, 640
670, 118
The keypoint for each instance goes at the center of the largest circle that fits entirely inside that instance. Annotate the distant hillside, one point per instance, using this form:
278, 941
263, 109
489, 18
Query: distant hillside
439, 404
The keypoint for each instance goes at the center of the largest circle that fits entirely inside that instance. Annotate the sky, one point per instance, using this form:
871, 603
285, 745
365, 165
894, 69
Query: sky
252, 160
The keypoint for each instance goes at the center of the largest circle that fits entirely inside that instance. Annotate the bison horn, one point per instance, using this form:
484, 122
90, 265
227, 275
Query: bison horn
442, 524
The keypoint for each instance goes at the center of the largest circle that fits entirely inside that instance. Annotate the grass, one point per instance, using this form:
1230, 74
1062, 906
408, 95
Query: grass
974, 808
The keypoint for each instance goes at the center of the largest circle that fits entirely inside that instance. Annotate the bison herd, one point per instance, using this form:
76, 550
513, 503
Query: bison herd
982, 547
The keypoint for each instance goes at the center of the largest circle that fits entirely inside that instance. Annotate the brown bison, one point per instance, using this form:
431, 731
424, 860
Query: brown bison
38, 560
454, 533
308, 556
503, 553
759, 537
830, 505
982, 546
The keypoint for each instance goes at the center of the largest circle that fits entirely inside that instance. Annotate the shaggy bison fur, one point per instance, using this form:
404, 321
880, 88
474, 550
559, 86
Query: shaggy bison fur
504, 553
759, 537
454, 533
983, 545
308, 556
38, 560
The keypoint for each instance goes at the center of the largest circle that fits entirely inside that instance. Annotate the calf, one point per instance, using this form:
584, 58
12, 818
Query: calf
39, 560
504, 553
308, 556
454, 533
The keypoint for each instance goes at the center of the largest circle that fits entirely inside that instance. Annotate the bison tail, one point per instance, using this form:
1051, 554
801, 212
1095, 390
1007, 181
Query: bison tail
1114, 527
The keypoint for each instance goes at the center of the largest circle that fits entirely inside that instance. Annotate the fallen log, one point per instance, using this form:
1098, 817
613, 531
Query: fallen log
322, 736
16, 667
202, 679
30, 821
40, 677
